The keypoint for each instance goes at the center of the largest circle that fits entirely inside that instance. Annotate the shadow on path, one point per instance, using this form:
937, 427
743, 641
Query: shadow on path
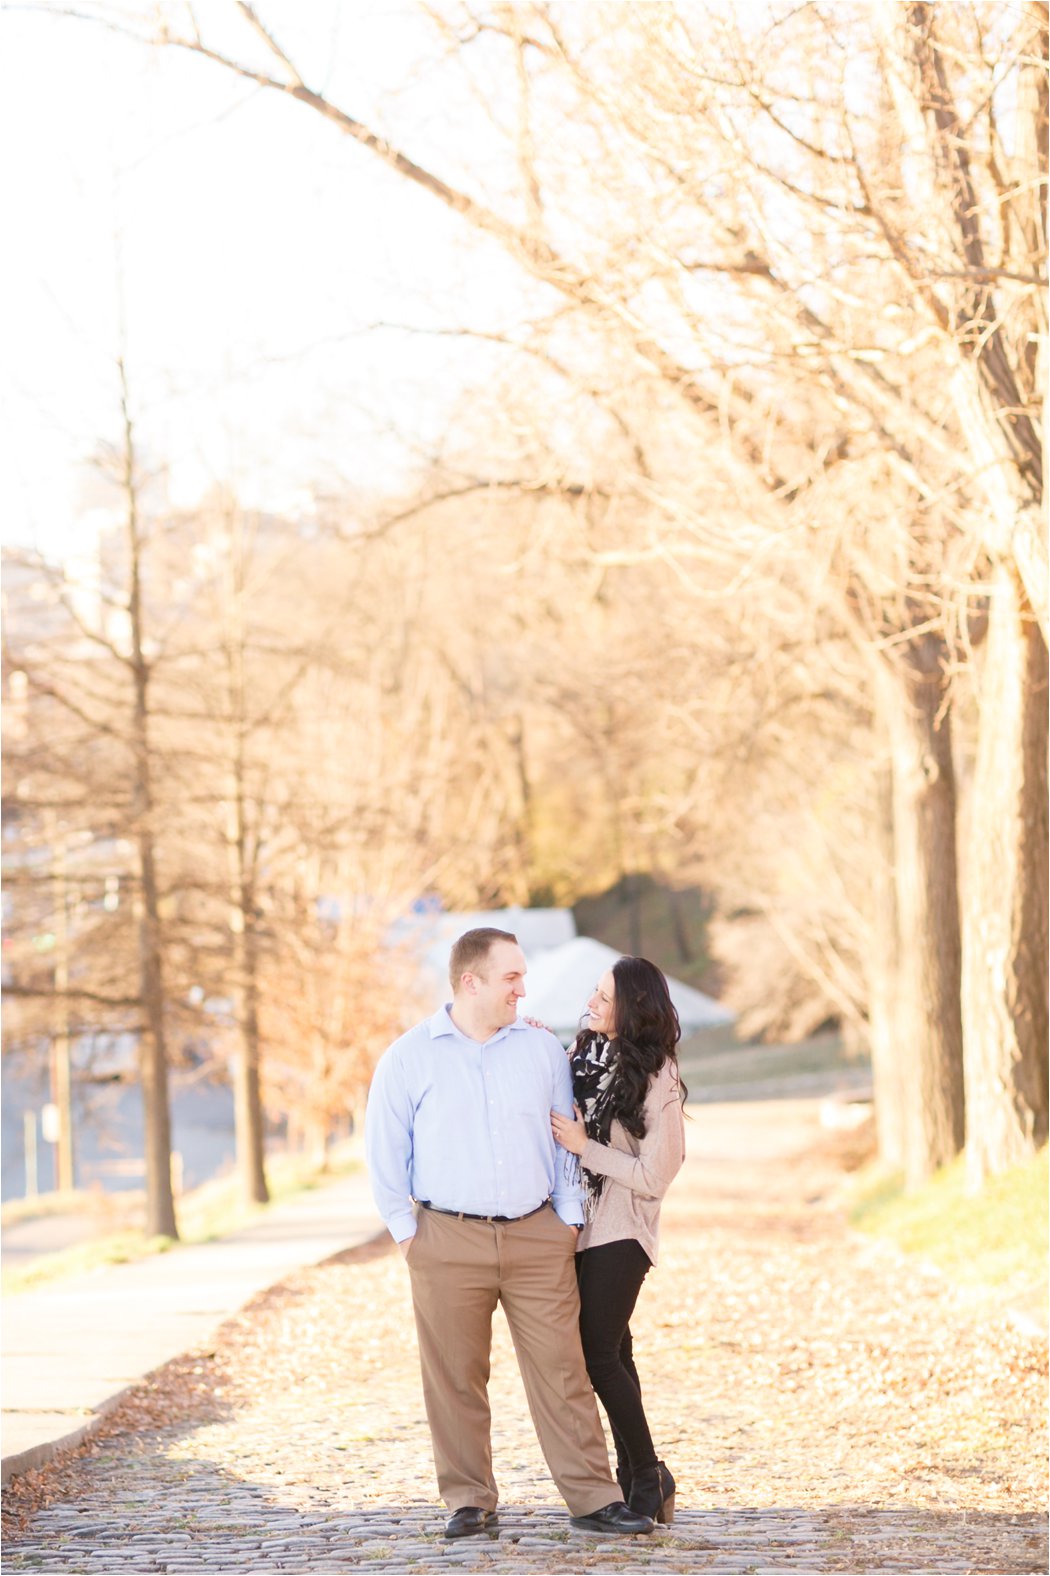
204, 1519
809, 1398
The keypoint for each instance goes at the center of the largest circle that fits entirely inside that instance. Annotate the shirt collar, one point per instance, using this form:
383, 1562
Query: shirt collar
441, 1023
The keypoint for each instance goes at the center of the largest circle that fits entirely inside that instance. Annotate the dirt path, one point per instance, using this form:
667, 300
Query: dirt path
824, 1404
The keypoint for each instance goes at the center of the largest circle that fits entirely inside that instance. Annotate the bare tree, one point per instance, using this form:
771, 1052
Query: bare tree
160, 1202
91, 759
854, 346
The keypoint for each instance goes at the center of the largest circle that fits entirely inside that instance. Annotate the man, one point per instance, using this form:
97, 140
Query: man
467, 1177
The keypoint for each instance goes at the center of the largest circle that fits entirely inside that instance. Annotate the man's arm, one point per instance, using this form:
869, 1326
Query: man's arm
388, 1146
567, 1196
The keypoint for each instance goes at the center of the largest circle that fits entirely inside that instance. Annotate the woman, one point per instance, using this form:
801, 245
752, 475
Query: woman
630, 1139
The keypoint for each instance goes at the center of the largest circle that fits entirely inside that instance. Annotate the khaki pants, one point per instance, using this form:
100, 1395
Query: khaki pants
460, 1269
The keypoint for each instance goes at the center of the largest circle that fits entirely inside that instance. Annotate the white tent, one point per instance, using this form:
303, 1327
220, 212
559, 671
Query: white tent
559, 982
431, 934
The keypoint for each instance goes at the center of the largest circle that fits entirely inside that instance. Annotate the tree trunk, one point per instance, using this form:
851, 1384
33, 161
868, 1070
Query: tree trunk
883, 982
320, 1122
153, 1057
153, 1053
676, 910
250, 1137
523, 830
249, 1134
1005, 913
61, 1063
317, 1144
633, 897
912, 691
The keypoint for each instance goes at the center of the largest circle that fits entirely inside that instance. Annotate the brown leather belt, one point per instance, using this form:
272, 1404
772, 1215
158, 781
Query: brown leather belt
461, 1214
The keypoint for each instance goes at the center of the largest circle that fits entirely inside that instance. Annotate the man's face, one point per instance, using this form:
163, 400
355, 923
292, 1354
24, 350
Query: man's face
498, 984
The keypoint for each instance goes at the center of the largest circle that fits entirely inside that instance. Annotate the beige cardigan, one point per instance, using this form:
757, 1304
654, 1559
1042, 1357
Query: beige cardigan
638, 1172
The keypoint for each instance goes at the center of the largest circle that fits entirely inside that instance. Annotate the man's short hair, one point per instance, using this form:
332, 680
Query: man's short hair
471, 950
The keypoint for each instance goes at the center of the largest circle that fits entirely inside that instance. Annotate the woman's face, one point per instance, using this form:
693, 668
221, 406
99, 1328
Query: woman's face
601, 1006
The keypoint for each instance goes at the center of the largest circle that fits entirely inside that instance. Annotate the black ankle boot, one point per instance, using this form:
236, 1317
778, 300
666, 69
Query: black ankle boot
623, 1474
653, 1493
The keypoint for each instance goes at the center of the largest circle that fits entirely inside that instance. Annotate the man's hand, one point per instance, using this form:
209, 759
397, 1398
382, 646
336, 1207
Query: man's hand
405, 1244
570, 1135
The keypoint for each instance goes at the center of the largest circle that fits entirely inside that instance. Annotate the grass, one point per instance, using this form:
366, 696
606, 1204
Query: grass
994, 1240
716, 1062
118, 1247
76, 1202
213, 1210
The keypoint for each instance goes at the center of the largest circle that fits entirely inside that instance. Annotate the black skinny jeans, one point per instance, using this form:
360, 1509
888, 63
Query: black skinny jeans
610, 1278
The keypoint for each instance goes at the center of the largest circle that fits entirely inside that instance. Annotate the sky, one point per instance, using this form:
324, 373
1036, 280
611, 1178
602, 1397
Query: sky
241, 250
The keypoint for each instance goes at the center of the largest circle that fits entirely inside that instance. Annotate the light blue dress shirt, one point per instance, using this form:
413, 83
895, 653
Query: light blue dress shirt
466, 1125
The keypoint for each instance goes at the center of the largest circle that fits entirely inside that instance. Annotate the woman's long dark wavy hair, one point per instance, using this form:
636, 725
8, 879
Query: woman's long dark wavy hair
647, 1033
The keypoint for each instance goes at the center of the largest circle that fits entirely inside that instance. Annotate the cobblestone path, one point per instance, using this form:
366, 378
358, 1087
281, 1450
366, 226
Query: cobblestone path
824, 1404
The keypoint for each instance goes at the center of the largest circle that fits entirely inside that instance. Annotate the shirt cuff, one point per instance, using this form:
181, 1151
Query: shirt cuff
570, 1213
402, 1227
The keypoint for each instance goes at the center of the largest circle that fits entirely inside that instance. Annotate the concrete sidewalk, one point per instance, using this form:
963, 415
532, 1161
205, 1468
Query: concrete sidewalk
71, 1350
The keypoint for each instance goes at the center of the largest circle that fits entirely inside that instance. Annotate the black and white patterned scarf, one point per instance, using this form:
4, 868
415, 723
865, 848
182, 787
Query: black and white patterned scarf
594, 1068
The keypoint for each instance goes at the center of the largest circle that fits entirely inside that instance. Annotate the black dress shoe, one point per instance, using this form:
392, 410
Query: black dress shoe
616, 1518
469, 1519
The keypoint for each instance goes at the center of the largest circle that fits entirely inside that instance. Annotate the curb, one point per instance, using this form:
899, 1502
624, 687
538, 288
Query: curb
39, 1455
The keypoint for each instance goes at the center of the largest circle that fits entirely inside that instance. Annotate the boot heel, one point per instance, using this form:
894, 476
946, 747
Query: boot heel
665, 1515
